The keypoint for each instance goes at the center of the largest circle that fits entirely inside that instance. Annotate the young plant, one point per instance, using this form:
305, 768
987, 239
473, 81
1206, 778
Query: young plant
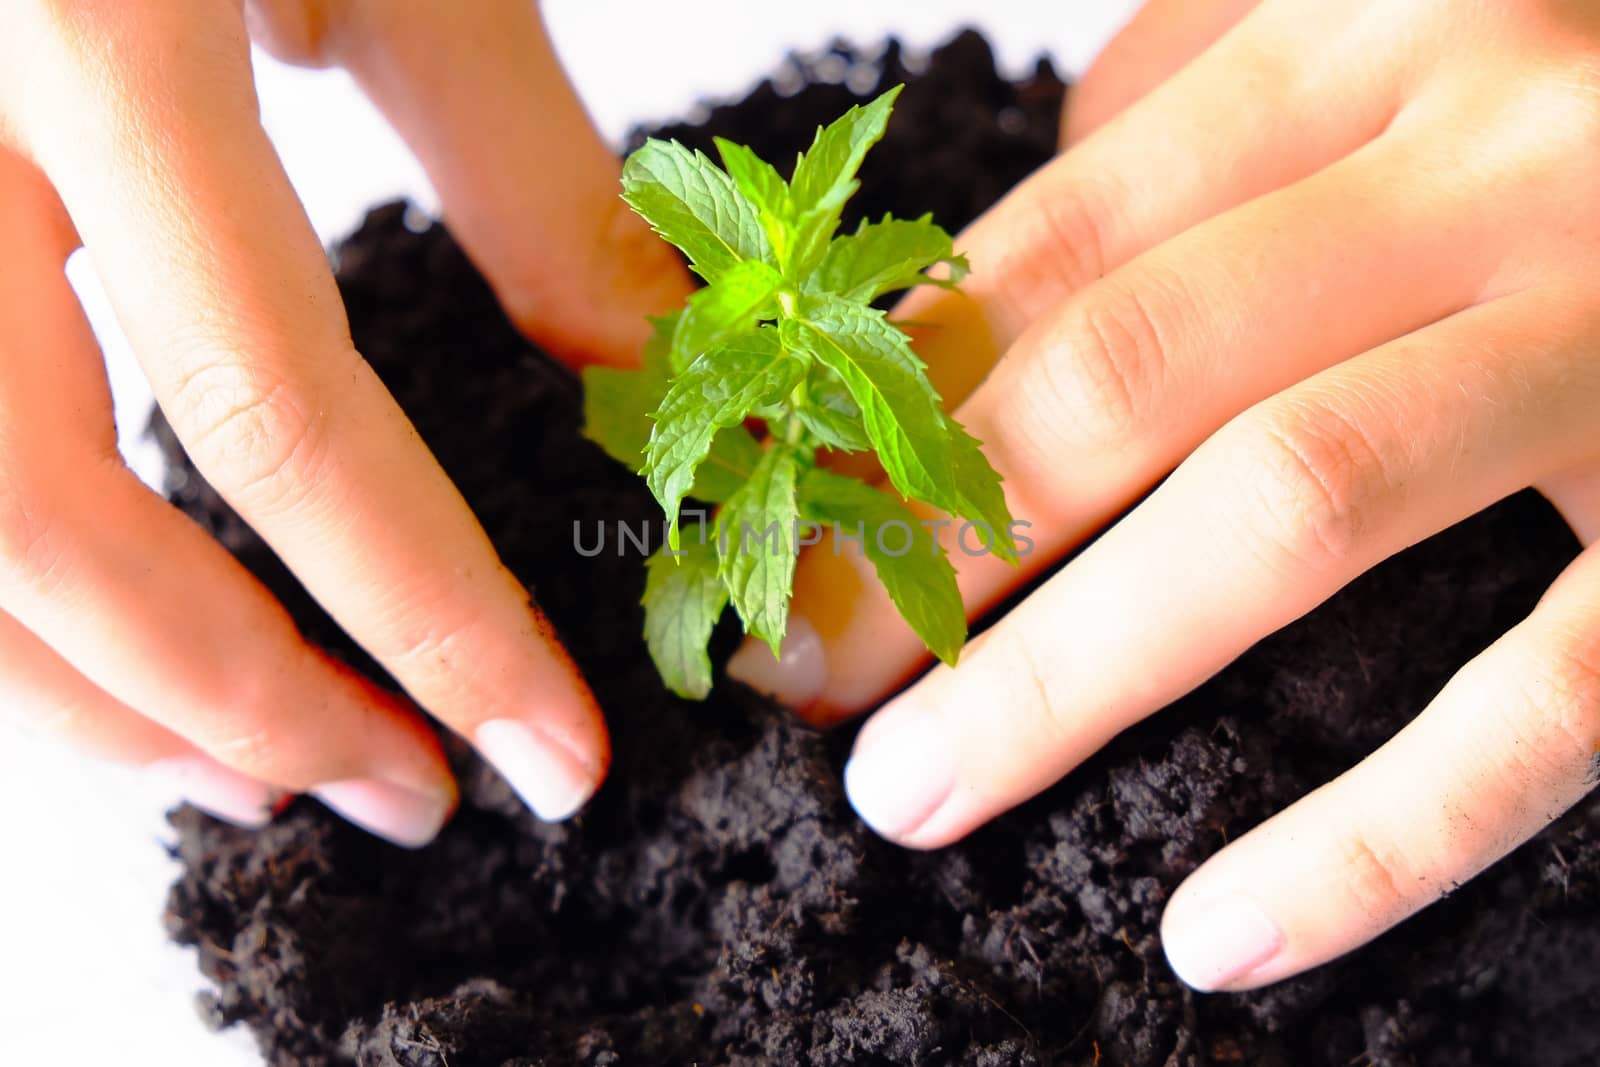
784, 332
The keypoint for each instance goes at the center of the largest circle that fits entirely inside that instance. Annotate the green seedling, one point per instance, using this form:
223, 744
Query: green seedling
784, 334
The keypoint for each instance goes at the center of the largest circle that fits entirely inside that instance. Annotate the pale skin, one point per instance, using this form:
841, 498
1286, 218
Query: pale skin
1328, 264
1328, 269
133, 129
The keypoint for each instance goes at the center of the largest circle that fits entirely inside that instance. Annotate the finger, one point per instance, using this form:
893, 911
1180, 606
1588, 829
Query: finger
42, 695
1509, 744
230, 307
1292, 89
1161, 37
1101, 398
526, 182
1576, 494
152, 613
1267, 519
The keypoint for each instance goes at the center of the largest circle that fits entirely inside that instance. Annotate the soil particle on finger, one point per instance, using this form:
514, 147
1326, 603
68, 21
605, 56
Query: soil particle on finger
718, 903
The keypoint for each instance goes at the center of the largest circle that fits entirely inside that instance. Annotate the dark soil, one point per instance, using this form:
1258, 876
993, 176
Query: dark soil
719, 904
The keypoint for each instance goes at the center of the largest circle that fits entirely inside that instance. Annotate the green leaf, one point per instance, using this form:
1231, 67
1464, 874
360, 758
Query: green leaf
613, 404
615, 410
925, 453
683, 598
832, 373
908, 558
732, 459
617, 402
982, 499
658, 350
689, 201
899, 408
825, 177
881, 257
756, 545
717, 390
832, 416
763, 187
732, 305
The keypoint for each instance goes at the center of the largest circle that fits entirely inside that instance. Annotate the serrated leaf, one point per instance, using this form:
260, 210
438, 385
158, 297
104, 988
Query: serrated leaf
732, 305
982, 498
727, 466
832, 416
689, 201
925, 453
755, 534
825, 174
613, 405
617, 402
683, 598
899, 407
881, 257
764, 187
615, 410
919, 578
717, 390
825, 177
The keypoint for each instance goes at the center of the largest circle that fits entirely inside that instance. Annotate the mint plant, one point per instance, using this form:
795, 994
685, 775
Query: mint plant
784, 332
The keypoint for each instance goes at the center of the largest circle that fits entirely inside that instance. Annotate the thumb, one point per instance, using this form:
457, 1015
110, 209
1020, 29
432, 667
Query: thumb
527, 184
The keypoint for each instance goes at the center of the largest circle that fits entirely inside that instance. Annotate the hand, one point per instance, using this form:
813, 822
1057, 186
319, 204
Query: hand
1333, 280
123, 628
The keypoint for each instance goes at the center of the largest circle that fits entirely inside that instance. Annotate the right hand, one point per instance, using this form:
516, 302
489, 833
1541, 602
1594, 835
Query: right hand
124, 629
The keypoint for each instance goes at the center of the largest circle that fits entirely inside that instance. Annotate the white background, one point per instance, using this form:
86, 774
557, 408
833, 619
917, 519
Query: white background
86, 975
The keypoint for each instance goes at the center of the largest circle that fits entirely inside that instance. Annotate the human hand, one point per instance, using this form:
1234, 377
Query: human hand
123, 628
1333, 282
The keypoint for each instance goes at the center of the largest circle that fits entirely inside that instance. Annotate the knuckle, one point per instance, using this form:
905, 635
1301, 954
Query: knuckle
1053, 719
1559, 742
249, 732
436, 652
433, 646
1377, 880
248, 432
266, 755
1072, 236
1106, 374
1314, 474
30, 542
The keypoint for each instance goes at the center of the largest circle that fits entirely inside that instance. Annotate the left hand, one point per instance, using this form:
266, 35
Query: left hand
127, 632
1334, 281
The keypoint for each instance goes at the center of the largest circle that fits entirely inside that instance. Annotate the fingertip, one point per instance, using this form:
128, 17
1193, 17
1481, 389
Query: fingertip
795, 677
902, 772
406, 792
1216, 942
823, 714
847, 647
402, 816
218, 790
567, 714
552, 779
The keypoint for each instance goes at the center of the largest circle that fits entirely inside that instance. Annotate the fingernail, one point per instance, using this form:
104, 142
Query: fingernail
1213, 944
405, 817
901, 771
548, 778
218, 790
795, 677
